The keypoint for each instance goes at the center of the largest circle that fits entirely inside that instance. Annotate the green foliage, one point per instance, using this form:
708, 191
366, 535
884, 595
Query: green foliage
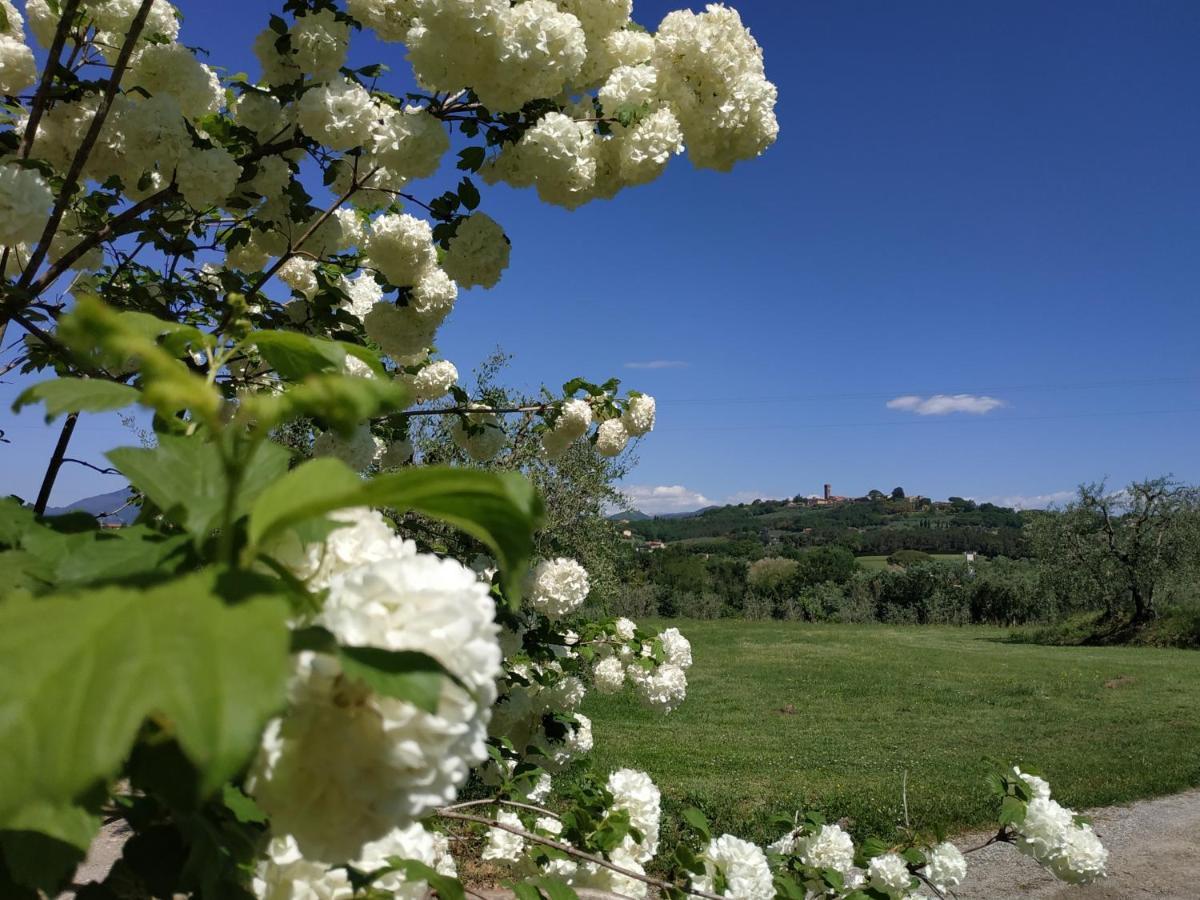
500, 509
85, 670
63, 395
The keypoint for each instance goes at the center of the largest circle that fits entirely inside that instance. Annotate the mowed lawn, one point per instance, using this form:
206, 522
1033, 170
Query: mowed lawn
783, 716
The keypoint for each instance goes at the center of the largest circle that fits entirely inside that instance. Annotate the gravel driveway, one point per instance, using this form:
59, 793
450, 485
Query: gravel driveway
1154, 851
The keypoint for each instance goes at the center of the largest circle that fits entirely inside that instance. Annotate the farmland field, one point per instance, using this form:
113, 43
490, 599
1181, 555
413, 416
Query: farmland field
878, 563
785, 715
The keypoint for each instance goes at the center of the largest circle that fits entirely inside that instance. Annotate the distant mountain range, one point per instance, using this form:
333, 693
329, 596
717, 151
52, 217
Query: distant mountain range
101, 503
636, 515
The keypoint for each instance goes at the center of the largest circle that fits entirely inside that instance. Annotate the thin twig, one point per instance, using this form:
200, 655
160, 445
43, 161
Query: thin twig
89, 141
38, 106
580, 854
80, 462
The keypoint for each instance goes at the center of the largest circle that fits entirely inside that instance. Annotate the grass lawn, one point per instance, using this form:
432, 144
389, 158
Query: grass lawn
878, 563
784, 715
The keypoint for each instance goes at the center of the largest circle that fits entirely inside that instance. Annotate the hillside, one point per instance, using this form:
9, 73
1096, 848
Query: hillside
865, 526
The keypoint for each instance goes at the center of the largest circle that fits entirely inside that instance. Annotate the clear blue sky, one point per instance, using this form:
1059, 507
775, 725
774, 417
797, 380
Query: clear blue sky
999, 199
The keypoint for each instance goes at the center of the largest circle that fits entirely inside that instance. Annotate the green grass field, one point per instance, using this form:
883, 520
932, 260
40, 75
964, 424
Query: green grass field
784, 715
877, 563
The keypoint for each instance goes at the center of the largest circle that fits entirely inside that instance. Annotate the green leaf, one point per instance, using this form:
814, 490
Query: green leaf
340, 401
182, 476
244, 809
468, 193
93, 557
84, 670
471, 158
46, 843
554, 888
294, 355
1012, 811
313, 488
403, 674
64, 395
186, 478
524, 891
446, 887
500, 509
698, 821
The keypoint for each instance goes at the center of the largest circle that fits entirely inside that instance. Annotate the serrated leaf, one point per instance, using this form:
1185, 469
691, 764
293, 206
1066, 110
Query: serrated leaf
502, 510
84, 670
244, 809
294, 355
447, 888
1012, 811
554, 888
698, 821
64, 395
403, 674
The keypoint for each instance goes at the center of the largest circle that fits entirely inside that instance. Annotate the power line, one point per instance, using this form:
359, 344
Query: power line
1006, 389
930, 421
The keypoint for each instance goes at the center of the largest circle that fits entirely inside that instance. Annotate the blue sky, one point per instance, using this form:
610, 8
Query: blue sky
993, 199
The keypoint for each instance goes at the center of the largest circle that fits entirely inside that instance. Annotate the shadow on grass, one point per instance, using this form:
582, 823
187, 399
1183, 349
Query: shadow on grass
1179, 628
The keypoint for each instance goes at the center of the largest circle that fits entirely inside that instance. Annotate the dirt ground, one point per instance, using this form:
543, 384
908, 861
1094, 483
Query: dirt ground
1153, 846
1154, 851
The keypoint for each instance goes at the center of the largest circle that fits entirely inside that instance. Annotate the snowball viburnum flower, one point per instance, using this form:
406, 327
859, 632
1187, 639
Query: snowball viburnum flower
344, 766
636, 794
946, 866
608, 675
558, 587
357, 451
363, 536
611, 437
503, 845
889, 873
477, 253
744, 866
638, 419
25, 201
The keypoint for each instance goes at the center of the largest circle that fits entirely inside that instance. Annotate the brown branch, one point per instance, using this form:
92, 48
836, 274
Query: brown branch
38, 106
579, 854
56, 461
71, 182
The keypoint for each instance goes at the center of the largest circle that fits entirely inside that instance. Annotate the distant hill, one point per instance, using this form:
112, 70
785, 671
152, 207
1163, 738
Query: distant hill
636, 515
101, 503
867, 527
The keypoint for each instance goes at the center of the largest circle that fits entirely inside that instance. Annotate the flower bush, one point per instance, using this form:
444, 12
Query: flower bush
281, 692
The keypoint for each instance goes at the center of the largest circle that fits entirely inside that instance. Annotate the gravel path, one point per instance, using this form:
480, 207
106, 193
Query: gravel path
1153, 846
1154, 851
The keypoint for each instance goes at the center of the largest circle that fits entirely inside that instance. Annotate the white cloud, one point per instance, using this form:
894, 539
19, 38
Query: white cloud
658, 364
943, 404
1028, 501
664, 498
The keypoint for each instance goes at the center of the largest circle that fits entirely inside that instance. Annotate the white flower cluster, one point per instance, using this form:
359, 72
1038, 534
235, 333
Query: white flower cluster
25, 201
574, 420
1050, 834
743, 865
479, 434
710, 70
344, 766
634, 793
359, 450
17, 67
662, 687
558, 587
285, 874
478, 252
362, 536
946, 867
510, 54
432, 381
888, 873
